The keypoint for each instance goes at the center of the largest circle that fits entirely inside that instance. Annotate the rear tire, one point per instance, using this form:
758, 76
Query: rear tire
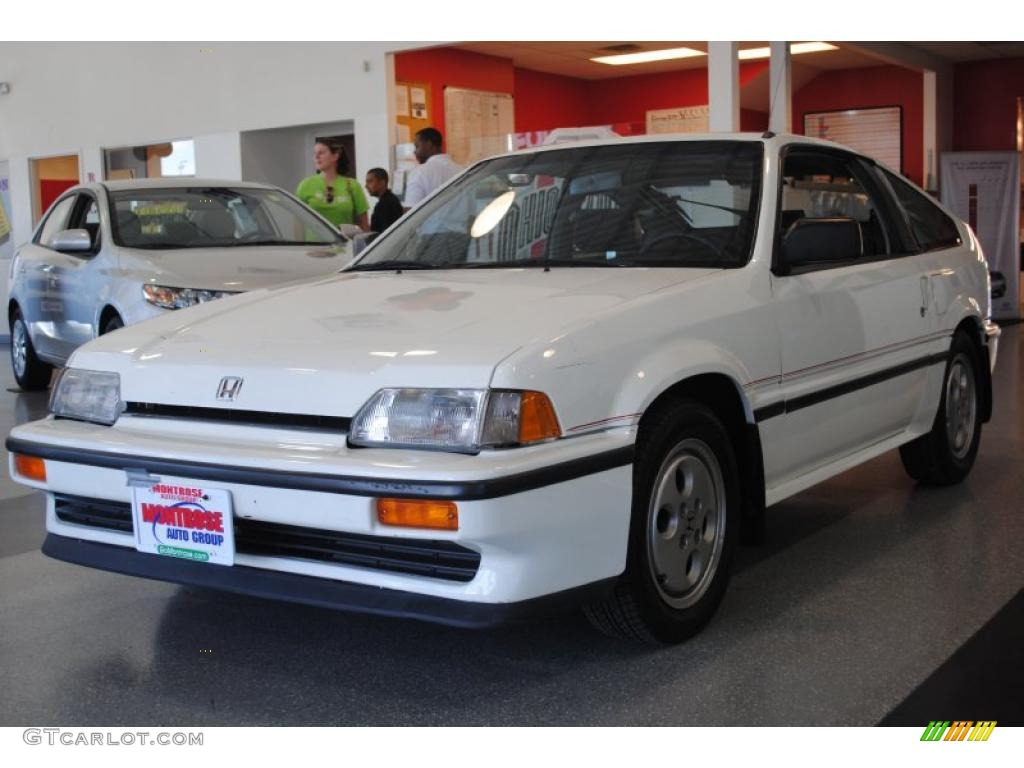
946, 454
683, 530
30, 372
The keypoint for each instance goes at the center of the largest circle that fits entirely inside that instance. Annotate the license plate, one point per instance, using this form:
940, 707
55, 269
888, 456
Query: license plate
185, 521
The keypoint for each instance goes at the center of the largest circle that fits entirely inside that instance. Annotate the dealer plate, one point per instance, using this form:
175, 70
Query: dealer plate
186, 521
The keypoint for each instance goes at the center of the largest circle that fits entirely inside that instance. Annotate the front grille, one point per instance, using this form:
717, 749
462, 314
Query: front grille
420, 557
96, 513
257, 418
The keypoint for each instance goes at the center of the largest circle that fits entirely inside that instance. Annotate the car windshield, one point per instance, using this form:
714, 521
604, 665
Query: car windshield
656, 204
207, 217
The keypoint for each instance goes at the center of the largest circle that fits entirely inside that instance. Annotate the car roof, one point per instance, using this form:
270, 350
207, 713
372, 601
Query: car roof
177, 181
765, 137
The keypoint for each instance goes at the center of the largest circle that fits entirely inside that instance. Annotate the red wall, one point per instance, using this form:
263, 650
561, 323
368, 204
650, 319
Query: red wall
870, 87
455, 68
51, 189
545, 101
985, 104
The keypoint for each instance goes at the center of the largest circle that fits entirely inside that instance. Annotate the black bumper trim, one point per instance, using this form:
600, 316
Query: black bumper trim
322, 593
471, 490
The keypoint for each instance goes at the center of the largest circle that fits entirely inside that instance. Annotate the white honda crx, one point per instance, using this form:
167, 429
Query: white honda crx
573, 375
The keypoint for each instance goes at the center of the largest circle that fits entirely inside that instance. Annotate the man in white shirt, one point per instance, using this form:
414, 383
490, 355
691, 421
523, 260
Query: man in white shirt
435, 167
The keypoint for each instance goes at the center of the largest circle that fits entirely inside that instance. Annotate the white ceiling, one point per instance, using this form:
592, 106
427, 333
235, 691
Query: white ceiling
573, 58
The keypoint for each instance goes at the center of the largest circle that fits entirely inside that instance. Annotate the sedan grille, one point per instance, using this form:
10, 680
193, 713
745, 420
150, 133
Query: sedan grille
420, 557
258, 418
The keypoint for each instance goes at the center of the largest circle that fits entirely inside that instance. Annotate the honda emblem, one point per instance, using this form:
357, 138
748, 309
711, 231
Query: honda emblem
229, 388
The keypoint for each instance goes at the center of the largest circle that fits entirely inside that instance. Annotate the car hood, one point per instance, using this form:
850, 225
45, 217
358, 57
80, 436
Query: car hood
242, 268
324, 347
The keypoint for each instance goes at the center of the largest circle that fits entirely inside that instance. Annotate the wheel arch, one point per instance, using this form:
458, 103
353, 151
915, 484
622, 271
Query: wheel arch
724, 396
973, 326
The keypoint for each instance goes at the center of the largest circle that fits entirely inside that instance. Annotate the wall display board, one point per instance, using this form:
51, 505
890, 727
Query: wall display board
983, 189
877, 132
412, 110
478, 124
6, 235
678, 120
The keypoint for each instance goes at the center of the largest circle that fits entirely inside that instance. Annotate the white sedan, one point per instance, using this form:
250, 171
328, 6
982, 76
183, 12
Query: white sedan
111, 254
576, 375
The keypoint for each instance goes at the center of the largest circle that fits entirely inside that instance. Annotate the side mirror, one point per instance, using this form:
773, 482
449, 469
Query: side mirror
820, 241
72, 241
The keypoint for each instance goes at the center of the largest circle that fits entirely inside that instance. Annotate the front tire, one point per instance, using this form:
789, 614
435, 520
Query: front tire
683, 531
946, 454
30, 372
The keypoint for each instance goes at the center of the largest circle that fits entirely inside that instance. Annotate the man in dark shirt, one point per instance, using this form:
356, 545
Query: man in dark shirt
389, 208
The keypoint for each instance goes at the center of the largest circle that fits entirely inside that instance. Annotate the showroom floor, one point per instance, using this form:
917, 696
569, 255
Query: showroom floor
874, 601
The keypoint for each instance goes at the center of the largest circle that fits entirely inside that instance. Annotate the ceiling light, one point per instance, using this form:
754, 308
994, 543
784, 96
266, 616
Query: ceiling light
645, 56
794, 48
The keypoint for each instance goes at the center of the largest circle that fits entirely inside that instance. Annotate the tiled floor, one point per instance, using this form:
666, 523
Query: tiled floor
868, 585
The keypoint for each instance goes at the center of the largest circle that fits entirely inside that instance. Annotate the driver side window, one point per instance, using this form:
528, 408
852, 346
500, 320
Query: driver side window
54, 223
828, 216
86, 215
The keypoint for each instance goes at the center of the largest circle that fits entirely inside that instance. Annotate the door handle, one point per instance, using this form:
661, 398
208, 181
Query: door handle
925, 293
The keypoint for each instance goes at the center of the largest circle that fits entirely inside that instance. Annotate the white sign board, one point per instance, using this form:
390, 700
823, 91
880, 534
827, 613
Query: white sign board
983, 189
678, 120
875, 131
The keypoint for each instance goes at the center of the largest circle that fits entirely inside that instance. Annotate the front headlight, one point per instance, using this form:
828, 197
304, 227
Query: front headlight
459, 420
87, 396
180, 298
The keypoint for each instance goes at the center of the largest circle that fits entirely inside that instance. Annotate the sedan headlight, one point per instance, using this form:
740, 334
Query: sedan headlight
179, 298
459, 420
87, 396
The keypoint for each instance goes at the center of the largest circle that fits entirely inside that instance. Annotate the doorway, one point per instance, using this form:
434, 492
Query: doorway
284, 156
50, 176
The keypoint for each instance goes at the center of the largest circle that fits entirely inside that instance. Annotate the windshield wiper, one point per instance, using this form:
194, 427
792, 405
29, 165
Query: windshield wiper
397, 265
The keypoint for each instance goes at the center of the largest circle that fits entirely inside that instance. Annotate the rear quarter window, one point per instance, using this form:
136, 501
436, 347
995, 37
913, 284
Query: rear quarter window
932, 228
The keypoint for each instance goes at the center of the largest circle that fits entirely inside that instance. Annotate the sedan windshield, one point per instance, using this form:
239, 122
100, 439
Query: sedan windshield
657, 204
208, 217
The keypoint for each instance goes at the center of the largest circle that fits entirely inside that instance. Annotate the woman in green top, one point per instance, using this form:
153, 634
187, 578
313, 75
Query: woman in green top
329, 192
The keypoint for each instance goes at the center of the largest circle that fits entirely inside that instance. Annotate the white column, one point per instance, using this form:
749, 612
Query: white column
930, 161
780, 97
91, 163
723, 86
219, 156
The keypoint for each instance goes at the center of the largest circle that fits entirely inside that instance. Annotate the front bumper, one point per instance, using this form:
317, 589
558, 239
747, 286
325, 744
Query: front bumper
546, 521
322, 593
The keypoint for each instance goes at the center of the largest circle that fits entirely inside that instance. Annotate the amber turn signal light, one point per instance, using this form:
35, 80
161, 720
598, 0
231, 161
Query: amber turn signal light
30, 467
537, 420
409, 513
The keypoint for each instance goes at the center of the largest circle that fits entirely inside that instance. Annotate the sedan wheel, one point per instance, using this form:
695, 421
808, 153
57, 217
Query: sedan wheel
946, 454
29, 371
683, 530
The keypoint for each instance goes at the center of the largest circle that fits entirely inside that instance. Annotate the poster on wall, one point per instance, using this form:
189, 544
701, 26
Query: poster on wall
983, 189
6, 236
6, 233
678, 120
876, 131
478, 124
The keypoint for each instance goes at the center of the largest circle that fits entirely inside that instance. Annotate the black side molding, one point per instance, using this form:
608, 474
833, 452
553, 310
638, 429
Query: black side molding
308, 590
470, 490
830, 393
